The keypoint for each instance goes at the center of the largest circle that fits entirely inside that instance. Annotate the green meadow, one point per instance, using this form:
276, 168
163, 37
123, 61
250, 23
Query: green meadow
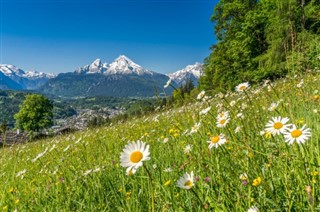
253, 168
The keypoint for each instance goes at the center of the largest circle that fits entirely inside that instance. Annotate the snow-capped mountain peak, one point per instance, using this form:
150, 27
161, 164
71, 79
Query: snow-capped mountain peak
24, 80
192, 72
96, 67
36, 74
123, 65
10, 70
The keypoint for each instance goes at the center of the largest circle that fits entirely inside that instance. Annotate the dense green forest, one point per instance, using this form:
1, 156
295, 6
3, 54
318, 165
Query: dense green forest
264, 39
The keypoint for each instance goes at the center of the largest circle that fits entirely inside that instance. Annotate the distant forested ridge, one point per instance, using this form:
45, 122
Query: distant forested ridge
263, 39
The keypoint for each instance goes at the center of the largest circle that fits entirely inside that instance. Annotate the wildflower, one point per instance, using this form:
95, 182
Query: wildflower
300, 84
223, 115
216, 141
167, 183
207, 179
165, 140
52, 148
242, 87
243, 176
168, 169
66, 148
221, 123
154, 166
133, 155
262, 132
40, 155
277, 125
195, 128
87, 172
201, 95
253, 209
237, 129
257, 181
232, 103
220, 95
168, 83
240, 115
186, 181
297, 135
131, 171
204, 111
315, 111
96, 169
21, 173
273, 106
188, 149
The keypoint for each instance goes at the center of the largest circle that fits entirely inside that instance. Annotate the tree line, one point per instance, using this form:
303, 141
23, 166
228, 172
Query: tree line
262, 39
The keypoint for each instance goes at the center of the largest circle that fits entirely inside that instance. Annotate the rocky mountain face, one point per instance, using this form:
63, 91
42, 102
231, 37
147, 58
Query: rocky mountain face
192, 72
121, 78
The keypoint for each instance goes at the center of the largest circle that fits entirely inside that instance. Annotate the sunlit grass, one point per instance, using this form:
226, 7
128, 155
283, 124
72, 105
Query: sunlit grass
252, 168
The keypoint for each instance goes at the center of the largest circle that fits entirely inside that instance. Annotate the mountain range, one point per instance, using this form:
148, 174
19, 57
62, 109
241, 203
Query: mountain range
121, 78
13, 78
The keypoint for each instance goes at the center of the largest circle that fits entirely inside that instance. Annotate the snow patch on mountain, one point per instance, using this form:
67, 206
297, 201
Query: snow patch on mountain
121, 65
192, 72
26, 80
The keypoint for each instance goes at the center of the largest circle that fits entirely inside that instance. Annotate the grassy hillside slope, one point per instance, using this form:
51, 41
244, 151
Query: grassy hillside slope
82, 172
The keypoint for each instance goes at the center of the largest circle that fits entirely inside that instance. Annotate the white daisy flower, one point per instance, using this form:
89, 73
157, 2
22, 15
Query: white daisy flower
223, 115
216, 141
21, 173
253, 209
297, 135
201, 95
262, 132
242, 87
186, 181
277, 125
221, 123
232, 103
273, 106
237, 129
168, 169
187, 149
131, 171
195, 128
243, 176
240, 115
165, 140
205, 111
133, 155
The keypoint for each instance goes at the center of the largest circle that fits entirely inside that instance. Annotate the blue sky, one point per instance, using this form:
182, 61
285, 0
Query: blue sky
56, 36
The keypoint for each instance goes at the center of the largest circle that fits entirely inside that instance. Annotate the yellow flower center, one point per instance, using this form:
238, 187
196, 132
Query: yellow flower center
215, 139
277, 125
222, 121
296, 133
136, 157
188, 183
242, 87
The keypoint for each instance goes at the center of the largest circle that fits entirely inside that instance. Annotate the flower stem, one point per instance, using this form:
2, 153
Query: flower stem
152, 190
194, 192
